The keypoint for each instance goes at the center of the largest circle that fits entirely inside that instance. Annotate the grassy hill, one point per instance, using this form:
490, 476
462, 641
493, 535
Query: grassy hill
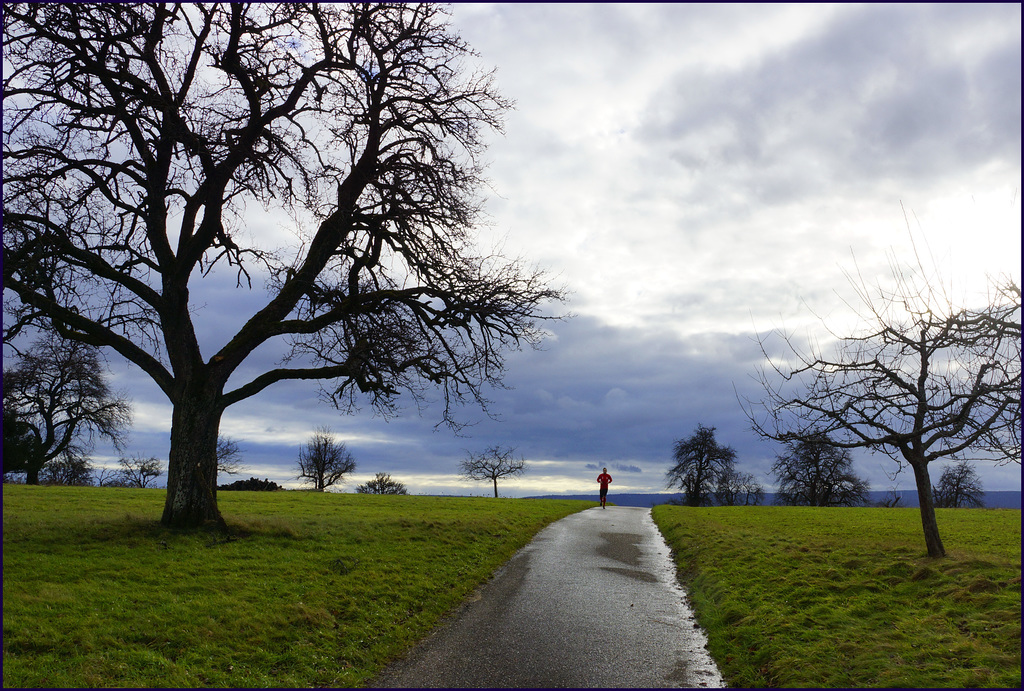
317, 590
322, 590
846, 597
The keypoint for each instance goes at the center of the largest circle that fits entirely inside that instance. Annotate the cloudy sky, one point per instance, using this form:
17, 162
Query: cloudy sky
695, 175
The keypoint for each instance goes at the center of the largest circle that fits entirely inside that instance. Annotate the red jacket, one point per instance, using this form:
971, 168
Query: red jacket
604, 479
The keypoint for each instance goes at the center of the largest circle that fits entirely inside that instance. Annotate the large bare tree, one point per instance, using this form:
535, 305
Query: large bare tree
139, 141
814, 472
959, 486
57, 398
700, 461
925, 380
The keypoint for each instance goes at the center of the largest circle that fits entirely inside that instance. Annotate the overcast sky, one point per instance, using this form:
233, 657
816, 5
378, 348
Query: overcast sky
694, 175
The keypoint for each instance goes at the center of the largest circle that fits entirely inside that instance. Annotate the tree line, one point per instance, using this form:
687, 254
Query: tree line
807, 473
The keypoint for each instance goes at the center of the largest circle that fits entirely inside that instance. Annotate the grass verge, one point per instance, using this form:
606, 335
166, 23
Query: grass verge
318, 590
816, 597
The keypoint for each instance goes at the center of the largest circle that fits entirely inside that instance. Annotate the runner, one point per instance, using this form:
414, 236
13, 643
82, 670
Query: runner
604, 478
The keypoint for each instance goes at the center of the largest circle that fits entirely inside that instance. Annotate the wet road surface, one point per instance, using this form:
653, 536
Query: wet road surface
591, 602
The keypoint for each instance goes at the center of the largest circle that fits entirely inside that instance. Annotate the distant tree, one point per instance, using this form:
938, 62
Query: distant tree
382, 484
492, 464
140, 139
137, 472
58, 396
814, 472
229, 456
959, 486
699, 463
890, 501
108, 477
68, 469
923, 380
738, 489
323, 461
251, 485
19, 446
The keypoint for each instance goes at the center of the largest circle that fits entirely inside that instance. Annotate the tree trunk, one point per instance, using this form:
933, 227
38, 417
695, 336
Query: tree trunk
32, 474
192, 463
924, 496
495, 487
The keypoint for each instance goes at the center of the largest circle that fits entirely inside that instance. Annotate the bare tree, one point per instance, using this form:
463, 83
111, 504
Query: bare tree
58, 397
699, 462
813, 472
68, 469
137, 472
19, 446
229, 456
1002, 436
382, 484
139, 137
734, 488
492, 464
324, 461
925, 380
891, 500
959, 486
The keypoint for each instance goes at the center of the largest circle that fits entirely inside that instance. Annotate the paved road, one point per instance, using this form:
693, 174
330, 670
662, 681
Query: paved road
591, 602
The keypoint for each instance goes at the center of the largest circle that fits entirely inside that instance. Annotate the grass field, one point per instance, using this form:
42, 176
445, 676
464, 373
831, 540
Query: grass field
816, 597
324, 589
318, 590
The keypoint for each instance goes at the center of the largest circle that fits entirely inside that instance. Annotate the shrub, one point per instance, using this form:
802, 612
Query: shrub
251, 485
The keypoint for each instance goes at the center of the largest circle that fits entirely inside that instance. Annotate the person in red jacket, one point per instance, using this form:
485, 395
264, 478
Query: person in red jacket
604, 478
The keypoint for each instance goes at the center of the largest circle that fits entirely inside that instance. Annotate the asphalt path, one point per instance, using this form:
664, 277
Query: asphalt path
591, 602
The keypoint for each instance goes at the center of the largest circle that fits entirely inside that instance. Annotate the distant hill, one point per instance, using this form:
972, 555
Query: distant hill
993, 500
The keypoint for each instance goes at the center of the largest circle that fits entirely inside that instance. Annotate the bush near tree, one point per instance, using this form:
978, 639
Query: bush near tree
251, 485
382, 483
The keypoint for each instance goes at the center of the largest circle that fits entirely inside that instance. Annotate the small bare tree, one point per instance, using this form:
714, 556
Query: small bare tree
324, 461
69, 468
925, 380
229, 457
959, 486
495, 462
137, 472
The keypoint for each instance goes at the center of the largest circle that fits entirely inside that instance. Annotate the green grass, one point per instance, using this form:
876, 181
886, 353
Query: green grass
324, 589
814, 597
317, 590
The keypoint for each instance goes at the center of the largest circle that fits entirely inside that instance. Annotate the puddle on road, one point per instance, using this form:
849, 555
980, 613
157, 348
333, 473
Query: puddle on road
622, 547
